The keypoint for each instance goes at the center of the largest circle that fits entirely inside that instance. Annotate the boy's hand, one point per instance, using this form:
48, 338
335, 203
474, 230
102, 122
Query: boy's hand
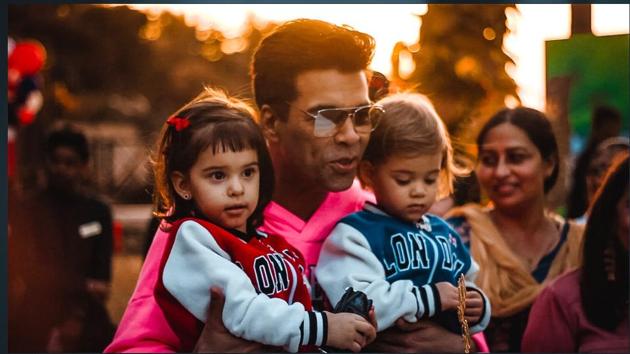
349, 331
474, 307
372, 317
449, 295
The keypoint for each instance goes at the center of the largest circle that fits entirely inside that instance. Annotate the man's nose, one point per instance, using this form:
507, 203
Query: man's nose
347, 133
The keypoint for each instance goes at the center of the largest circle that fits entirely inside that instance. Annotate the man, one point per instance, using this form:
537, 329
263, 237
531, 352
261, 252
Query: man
308, 79
303, 72
605, 123
60, 245
322, 70
605, 154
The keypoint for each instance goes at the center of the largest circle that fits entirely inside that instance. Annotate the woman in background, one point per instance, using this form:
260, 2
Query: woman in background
587, 309
517, 242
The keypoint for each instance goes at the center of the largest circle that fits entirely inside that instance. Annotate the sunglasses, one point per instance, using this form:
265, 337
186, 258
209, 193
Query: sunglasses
328, 121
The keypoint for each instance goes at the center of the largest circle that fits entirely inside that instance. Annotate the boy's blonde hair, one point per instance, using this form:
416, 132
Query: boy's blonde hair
410, 127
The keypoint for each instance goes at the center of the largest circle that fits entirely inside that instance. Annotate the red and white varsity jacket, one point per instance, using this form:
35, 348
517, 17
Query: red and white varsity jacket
266, 294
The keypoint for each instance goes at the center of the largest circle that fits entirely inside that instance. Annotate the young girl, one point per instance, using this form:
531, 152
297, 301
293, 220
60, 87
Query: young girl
213, 179
405, 260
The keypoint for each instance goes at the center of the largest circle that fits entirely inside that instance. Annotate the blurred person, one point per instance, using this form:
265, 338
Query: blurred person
587, 310
519, 244
60, 249
405, 259
465, 190
603, 156
605, 123
310, 84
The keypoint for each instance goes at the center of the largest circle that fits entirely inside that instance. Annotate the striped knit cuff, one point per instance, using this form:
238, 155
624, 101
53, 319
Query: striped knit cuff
436, 299
314, 329
428, 301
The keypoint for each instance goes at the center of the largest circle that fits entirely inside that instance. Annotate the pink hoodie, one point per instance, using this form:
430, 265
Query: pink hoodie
144, 328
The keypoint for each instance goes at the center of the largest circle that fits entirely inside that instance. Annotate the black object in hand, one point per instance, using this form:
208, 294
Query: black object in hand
353, 302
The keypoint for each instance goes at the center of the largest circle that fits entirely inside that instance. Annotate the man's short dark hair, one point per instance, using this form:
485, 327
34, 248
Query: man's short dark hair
605, 115
68, 137
302, 45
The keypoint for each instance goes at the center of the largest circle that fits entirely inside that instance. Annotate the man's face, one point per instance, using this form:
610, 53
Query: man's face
597, 170
330, 162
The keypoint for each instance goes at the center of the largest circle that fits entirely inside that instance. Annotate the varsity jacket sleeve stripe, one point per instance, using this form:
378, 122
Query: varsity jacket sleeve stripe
484, 320
347, 260
196, 263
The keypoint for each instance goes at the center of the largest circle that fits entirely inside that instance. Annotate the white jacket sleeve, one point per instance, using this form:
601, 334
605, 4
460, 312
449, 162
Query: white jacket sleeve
484, 320
346, 260
196, 263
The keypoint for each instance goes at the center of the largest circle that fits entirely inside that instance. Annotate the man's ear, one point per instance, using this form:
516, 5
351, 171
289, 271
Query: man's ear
181, 184
269, 123
366, 173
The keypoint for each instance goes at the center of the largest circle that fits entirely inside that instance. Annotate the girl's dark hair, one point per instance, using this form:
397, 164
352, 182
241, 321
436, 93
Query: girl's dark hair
218, 121
605, 302
537, 127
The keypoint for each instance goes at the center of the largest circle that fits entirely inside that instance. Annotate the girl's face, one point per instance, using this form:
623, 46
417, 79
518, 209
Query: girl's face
623, 217
224, 186
405, 187
511, 169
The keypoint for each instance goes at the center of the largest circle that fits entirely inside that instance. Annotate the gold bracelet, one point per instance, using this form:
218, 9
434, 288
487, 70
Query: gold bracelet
461, 309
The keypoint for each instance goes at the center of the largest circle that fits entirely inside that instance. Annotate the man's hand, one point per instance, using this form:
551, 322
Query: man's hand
215, 338
422, 336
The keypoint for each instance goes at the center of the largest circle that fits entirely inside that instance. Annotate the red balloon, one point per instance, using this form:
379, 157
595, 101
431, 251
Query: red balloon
27, 57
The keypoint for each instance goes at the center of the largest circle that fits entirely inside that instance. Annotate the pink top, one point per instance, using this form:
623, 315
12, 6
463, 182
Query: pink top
557, 323
308, 236
144, 328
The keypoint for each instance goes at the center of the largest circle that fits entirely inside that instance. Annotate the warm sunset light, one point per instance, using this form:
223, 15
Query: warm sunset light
178, 173
531, 26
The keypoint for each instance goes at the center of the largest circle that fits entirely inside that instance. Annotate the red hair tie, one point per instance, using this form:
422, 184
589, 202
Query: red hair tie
178, 122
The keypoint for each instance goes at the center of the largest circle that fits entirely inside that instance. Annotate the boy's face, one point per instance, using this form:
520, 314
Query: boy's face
404, 186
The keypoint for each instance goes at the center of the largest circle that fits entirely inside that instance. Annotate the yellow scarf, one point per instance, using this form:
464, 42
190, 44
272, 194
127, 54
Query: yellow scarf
509, 286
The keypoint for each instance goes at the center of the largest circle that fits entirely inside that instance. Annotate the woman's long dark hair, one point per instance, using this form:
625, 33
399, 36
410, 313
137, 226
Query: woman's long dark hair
605, 302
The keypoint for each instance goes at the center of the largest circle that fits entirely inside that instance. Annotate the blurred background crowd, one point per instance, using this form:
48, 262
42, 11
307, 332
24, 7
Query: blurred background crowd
91, 85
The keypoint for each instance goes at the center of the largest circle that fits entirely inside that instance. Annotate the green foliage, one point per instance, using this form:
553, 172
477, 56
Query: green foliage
460, 64
115, 64
597, 67
98, 55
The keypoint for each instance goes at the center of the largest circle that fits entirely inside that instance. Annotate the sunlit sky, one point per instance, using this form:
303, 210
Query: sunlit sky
391, 23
